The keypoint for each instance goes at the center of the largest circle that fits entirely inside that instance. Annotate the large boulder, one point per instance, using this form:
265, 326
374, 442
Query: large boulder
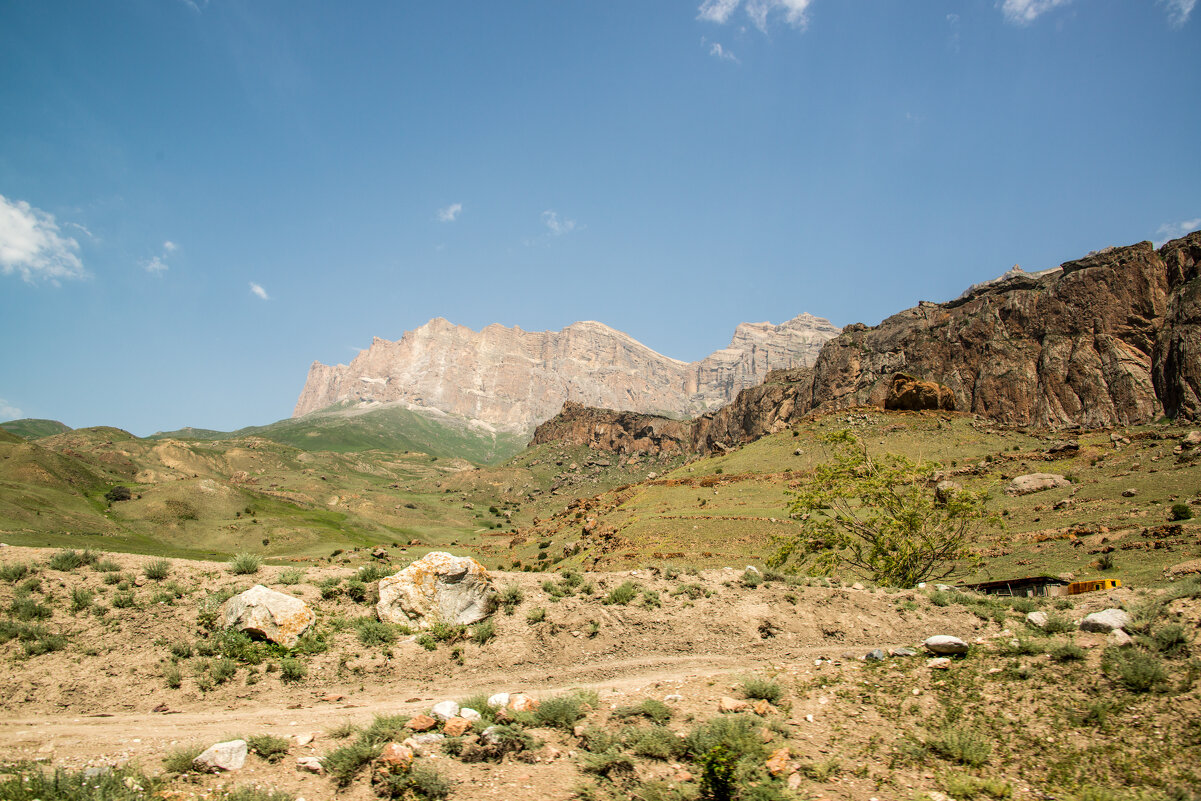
438, 587
944, 644
1036, 482
907, 393
265, 613
1105, 621
220, 757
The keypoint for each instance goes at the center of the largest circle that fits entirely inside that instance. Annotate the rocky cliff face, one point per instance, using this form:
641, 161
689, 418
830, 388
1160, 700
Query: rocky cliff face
1109, 339
514, 379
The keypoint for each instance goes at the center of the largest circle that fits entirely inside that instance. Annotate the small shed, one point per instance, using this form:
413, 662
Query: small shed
1030, 586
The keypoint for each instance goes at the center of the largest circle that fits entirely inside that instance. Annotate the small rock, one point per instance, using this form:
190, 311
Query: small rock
858, 586
445, 710
777, 763
727, 704
265, 613
1105, 621
1119, 639
522, 703
421, 723
499, 699
1036, 482
875, 655
456, 727
467, 713
489, 736
310, 763
763, 708
424, 744
902, 652
943, 644
945, 490
1037, 619
397, 757
304, 739
1129, 493
794, 781
938, 663
673, 698
230, 755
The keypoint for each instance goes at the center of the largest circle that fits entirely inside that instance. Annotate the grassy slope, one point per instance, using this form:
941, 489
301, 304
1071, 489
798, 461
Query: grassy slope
32, 428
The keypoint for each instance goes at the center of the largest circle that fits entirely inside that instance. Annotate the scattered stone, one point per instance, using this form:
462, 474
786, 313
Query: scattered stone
499, 700
858, 586
794, 781
469, 714
777, 763
310, 763
265, 613
489, 736
421, 723
945, 490
875, 655
674, 698
437, 587
379, 553
938, 663
1129, 493
304, 739
397, 757
944, 644
902, 652
763, 708
1063, 449
1105, 621
1037, 619
445, 710
1036, 482
230, 755
1119, 639
727, 704
1066, 503
798, 452
522, 703
424, 744
456, 727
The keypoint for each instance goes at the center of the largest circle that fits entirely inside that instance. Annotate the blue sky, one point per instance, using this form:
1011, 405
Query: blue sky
201, 198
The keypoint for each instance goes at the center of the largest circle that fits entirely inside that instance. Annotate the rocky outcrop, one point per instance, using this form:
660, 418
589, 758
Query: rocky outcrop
1110, 339
512, 379
268, 614
908, 394
437, 588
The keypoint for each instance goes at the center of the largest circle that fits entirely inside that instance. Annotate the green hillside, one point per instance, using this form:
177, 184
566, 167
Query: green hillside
32, 428
348, 429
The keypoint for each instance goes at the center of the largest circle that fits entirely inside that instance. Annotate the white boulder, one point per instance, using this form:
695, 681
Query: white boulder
1036, 482
944, 644
445, 710
230, 755
438, 587
1105, 621
269, 614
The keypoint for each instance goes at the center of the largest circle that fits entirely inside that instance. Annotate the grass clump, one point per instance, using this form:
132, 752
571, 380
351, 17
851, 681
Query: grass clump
245, 564
420, 783
961, 744
343, 764
510, 598
182, 760
292, 670
564, 711
268, 746
622, 594
106, 566
654, 742
157, 570
372, 632
68, 559
760, 689
291, 576
691, 590
13, 572
1136, 670
29, 609
172, 676
651, 709
29, 781
483, 632
536, 616
1180, 511
1067, 652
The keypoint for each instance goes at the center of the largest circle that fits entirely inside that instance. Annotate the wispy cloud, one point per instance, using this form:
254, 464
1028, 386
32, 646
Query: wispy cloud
1177, 229
158, 265
556, 226
720, 11
450, 213
196, 5
32, 246
1178, 11
1023, 12
258, 291
718, 51
9, 412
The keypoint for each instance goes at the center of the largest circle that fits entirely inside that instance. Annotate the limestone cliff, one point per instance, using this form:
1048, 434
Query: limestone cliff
513, 379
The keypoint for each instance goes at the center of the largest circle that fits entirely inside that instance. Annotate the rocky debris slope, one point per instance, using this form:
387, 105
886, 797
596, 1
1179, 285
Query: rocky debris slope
513, 379
1110, 339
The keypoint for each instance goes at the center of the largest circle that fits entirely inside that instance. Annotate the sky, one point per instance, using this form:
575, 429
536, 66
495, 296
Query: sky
199, 198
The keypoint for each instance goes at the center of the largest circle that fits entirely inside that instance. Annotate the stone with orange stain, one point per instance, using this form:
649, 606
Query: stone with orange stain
522, 703
396, 757
763, 708
777, 763
456, 727
421, 723
728, 704
438, 587
268, 614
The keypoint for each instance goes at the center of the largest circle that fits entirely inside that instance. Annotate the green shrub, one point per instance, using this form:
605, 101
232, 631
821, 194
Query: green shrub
158, 569
81, 599
421, 783
426, 641
384, 729
13, 572
653, 710
610, 764
222, 670
654, 742
374, 572
751, 578
374, 632
1058, 624
106, 566
343, 764
181, 760
1181, 511
66, 560
535, 616
268, 746
965, 786
292, 670
447, 632
293, 575
124, 600
483, 632
29, 609
651, 600
1136, 670
245, 564
622, 594
563, 711
1170, 640
356, 591
738, 734
27, 781
172, 676
510, 598
1068, 652
693, 591
961, 744
756, 688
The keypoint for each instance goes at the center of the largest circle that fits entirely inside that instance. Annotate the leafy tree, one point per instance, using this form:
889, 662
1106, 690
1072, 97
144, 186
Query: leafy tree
879, 516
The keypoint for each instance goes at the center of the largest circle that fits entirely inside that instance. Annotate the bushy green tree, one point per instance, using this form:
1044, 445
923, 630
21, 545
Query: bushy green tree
880, 517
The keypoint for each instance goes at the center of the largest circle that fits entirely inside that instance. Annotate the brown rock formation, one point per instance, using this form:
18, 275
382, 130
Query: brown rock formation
512, 379
620, 432
909, 394
1075, 345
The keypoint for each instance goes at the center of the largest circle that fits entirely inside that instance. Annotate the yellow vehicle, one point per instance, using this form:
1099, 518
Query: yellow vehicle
1077, 587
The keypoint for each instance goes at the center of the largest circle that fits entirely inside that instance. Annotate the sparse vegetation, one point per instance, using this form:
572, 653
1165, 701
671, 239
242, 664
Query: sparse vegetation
245, 564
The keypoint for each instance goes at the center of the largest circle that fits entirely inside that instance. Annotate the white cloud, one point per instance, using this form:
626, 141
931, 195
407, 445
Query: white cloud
1175, 230
9, 412
1023, 12
793, 11
717, 10
258, 291
32, 247
717, 50
450, 213
170, 247
558, 227
155, 266
1178, 11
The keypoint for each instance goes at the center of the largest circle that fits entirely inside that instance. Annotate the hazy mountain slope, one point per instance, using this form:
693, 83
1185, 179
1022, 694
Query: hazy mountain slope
32, 428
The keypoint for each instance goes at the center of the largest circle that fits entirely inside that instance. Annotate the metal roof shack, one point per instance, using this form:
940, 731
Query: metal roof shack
1030, 586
